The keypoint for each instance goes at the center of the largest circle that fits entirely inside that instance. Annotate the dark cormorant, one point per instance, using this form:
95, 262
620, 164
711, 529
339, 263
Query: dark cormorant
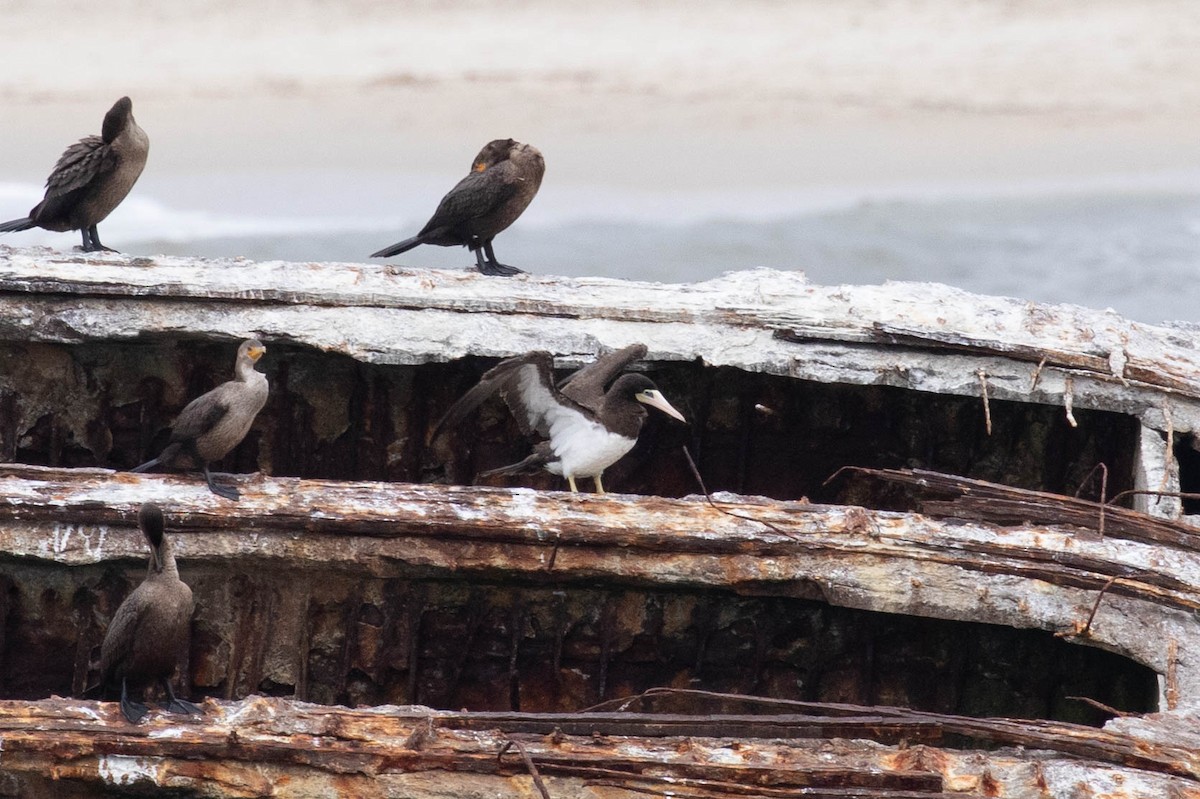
150, 628
503, 180
91, 179
214, 423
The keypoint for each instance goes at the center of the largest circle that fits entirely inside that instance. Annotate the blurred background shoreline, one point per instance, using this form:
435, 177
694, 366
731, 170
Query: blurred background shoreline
1045, 151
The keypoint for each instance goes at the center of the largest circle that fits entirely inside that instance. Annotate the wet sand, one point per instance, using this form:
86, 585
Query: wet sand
694, 96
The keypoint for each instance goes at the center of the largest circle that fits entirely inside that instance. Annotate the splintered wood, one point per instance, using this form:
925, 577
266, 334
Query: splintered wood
960, 550
262, 747
1041, 574
922, 336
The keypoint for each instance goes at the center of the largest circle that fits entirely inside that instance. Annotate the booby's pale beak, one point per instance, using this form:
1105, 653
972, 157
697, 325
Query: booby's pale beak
655, 399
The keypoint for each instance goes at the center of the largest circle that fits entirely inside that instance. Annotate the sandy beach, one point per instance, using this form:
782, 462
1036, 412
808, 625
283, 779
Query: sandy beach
283, 117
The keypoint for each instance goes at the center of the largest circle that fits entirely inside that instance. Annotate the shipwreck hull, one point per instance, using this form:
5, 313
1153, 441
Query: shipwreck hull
838, 565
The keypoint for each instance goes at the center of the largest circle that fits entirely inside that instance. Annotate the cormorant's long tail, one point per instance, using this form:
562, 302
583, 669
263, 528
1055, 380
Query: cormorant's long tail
398, 247
147, 466
16, 224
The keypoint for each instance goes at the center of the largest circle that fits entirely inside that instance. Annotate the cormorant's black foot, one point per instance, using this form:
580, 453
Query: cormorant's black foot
182, 706
229, 492
177, 705
133, 711
498, 269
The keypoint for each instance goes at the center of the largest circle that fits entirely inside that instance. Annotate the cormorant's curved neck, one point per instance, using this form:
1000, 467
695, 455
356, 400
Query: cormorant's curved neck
162, 561
114, 123
244, 369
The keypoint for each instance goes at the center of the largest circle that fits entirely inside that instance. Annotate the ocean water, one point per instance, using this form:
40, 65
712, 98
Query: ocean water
1135, 251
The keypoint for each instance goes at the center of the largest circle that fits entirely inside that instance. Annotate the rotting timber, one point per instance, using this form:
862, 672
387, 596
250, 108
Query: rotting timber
354, 574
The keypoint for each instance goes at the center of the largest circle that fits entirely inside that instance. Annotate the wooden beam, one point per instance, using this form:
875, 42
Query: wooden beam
927, 337
258, 746
1027, 575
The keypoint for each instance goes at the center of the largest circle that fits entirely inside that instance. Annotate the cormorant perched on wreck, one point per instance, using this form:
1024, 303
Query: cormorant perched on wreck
504, 177
214, 423
150, 628
91, 178
588, 428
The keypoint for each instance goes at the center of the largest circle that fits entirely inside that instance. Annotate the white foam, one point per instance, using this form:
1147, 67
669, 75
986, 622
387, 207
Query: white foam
147, 217
140, 218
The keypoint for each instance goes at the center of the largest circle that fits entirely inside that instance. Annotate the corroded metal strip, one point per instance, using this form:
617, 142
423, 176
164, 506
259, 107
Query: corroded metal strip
952, 496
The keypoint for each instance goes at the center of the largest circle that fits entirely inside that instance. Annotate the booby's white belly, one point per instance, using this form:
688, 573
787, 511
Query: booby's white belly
585, 448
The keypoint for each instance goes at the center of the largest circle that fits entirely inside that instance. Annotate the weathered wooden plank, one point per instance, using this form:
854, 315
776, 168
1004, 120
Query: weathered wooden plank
945, 495
762, 320
1022, 575
273, 747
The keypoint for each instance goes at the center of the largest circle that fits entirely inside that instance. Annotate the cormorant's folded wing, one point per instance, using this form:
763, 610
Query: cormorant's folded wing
122, 631
81, 163
200, 415
78, 168
476, 195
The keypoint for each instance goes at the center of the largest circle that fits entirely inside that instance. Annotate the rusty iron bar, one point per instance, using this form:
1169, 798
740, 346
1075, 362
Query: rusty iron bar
704, 490
1087, 628
980, 500
987, 407
1071, 739
538, 782
1087, 700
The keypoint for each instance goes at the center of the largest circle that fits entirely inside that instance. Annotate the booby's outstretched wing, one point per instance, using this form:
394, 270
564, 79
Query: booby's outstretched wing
526, 383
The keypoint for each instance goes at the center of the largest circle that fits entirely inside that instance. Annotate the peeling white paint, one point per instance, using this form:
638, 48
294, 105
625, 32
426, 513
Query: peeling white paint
61, 536
170, 732
405, 316
125, 770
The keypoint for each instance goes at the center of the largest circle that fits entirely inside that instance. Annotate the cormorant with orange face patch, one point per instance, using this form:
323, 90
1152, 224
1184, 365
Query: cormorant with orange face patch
503, 180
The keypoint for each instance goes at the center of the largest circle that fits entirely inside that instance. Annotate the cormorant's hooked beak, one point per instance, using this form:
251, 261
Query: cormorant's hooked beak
256, 352
655, 399
155, 560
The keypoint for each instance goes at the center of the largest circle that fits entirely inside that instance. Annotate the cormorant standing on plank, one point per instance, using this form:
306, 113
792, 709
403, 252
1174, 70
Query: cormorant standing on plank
150, 628
214, 423
91, 179
503, 180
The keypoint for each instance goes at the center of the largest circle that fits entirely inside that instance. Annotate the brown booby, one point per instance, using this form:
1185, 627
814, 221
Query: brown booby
150, 628
587, 427
503, 180
91, 178
214, 423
